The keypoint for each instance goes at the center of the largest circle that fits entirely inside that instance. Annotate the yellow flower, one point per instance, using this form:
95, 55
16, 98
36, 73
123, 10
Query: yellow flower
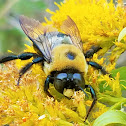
99, 23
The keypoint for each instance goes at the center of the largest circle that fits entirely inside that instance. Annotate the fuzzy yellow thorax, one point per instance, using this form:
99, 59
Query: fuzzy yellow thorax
60, 61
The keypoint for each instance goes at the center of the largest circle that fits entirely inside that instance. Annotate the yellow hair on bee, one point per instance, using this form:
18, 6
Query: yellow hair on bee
61, 61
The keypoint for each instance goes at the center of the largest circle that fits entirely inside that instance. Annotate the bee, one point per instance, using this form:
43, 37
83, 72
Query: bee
61, 55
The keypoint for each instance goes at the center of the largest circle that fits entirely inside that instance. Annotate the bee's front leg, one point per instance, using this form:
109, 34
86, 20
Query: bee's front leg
94, 99
46, 85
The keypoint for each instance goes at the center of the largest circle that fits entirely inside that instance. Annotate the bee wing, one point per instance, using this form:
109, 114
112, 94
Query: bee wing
37, 34
71, 29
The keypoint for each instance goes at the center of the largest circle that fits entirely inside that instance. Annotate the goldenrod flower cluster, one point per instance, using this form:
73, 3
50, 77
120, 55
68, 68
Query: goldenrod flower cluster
99, 23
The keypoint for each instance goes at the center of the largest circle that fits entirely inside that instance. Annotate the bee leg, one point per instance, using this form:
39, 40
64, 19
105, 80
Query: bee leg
23, 56
94, 101
91, 51
46, 85
82, 90
97, 66
28, 66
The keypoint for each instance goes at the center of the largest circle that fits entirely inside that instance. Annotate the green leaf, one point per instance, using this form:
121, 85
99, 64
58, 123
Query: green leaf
111, 117
122, 71
122, 34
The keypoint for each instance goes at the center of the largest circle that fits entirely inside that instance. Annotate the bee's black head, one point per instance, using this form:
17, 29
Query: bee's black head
68, 79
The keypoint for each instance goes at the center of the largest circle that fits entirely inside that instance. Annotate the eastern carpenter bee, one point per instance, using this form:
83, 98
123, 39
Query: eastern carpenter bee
61, 54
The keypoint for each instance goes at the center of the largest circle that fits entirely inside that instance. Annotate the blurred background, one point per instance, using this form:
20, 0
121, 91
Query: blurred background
11, 36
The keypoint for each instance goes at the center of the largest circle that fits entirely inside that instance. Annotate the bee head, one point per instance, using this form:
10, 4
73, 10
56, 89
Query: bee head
68, 79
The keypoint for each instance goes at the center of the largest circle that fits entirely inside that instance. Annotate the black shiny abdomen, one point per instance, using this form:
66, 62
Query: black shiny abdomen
68, 79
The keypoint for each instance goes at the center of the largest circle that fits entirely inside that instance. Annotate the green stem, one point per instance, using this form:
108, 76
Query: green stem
111, 100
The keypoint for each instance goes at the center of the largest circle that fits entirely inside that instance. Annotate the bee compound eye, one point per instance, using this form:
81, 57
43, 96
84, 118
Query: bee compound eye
59, 86
77, 76
59, 82
61, 76
78, 80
